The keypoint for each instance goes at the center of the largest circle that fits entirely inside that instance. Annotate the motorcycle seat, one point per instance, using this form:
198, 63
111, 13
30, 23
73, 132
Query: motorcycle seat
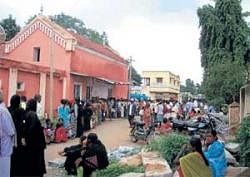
139, 123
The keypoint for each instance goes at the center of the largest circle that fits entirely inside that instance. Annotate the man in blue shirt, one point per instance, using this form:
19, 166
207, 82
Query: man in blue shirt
7, 138
215, 155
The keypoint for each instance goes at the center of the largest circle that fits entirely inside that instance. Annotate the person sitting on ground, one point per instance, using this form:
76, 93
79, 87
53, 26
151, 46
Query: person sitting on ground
215, 154
192, 113
194, 164
165, 126
94, 157
60, 132
49, 131
72, 153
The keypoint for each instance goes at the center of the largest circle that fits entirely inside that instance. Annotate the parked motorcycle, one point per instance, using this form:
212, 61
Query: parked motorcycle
200, 125
138, 132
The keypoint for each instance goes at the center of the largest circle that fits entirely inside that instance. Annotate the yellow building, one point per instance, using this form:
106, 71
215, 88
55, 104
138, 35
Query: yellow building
161, 85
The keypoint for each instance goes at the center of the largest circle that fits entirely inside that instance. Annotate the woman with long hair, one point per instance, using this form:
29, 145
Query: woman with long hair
195, 163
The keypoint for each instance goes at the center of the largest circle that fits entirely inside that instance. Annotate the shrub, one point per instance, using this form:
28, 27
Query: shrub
168, 146
114, 170
243, 137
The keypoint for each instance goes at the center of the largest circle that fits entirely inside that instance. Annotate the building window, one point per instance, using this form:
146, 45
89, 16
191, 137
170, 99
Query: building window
36, 54
77, 90
159, 80
110, 92
147, 81
88, 93
20, 86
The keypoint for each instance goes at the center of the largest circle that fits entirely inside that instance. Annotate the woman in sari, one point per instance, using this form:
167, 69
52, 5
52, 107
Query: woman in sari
194, 164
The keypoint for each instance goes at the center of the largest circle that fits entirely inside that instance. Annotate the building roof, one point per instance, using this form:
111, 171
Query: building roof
102, 49
159, 71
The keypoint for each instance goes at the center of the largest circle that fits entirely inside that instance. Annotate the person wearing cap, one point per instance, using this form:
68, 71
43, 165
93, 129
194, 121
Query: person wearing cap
72, 153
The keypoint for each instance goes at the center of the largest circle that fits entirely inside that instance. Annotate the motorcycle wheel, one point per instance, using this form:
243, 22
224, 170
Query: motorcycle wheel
133, 139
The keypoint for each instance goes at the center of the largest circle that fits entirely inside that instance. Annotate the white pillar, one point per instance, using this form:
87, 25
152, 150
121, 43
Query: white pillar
12, 83
42, 90
64, 87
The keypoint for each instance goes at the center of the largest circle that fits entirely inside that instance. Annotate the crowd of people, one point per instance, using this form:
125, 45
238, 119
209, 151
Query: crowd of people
22, 140
24, 133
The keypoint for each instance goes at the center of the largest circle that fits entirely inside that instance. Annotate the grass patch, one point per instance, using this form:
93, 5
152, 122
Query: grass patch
168, 146
114, 170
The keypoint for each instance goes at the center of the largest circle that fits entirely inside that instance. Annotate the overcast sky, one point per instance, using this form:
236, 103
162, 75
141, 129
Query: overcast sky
158, 34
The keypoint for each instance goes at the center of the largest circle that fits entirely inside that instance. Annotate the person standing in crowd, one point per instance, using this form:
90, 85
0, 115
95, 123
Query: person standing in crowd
216, 155
23, 102
78, 109
131, 112
160, 109
7, 139
147, 115
87, 114
38, 100
64, 113
34, 142
17, 114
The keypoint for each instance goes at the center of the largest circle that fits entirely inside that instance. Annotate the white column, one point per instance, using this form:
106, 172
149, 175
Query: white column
64, 87
12, 83
42, 90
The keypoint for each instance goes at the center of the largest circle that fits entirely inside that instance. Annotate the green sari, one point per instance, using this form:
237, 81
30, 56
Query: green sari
193, 165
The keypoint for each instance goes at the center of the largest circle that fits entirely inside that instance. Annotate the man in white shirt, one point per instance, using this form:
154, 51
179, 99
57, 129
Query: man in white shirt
7, 138
38, 99
131, 112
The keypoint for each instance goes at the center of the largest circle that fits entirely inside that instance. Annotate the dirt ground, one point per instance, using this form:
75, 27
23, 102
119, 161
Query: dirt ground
113, 134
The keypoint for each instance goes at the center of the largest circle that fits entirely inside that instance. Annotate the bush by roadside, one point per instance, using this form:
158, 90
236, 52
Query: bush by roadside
243, 137
168, 146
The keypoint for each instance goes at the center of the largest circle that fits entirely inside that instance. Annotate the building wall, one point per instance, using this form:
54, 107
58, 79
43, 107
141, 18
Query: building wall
92, 65
57, 94
120, 91
31, 83
170, 86
80, 80
4, 77
95, 66
24, 52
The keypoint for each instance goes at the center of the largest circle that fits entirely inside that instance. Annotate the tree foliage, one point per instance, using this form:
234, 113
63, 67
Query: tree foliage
136, 77
77, 25
191, 87
10, 27
223, 45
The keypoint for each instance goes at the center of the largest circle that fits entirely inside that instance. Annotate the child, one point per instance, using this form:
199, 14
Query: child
60, 132
165, 126
49, 131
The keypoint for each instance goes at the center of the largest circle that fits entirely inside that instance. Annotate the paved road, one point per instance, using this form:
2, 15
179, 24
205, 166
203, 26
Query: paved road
112, 133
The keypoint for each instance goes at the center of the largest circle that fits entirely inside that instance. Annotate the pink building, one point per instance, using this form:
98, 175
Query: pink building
81, 68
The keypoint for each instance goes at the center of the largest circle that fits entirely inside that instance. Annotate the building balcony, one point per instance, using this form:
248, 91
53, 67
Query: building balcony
163, 88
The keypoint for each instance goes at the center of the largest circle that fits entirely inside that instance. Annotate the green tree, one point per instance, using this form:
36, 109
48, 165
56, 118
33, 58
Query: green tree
136, 77
223, 44
191, 87
10, 27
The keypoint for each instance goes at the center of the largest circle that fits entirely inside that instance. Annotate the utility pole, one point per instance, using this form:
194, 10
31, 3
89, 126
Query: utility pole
51, 88
130, 60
